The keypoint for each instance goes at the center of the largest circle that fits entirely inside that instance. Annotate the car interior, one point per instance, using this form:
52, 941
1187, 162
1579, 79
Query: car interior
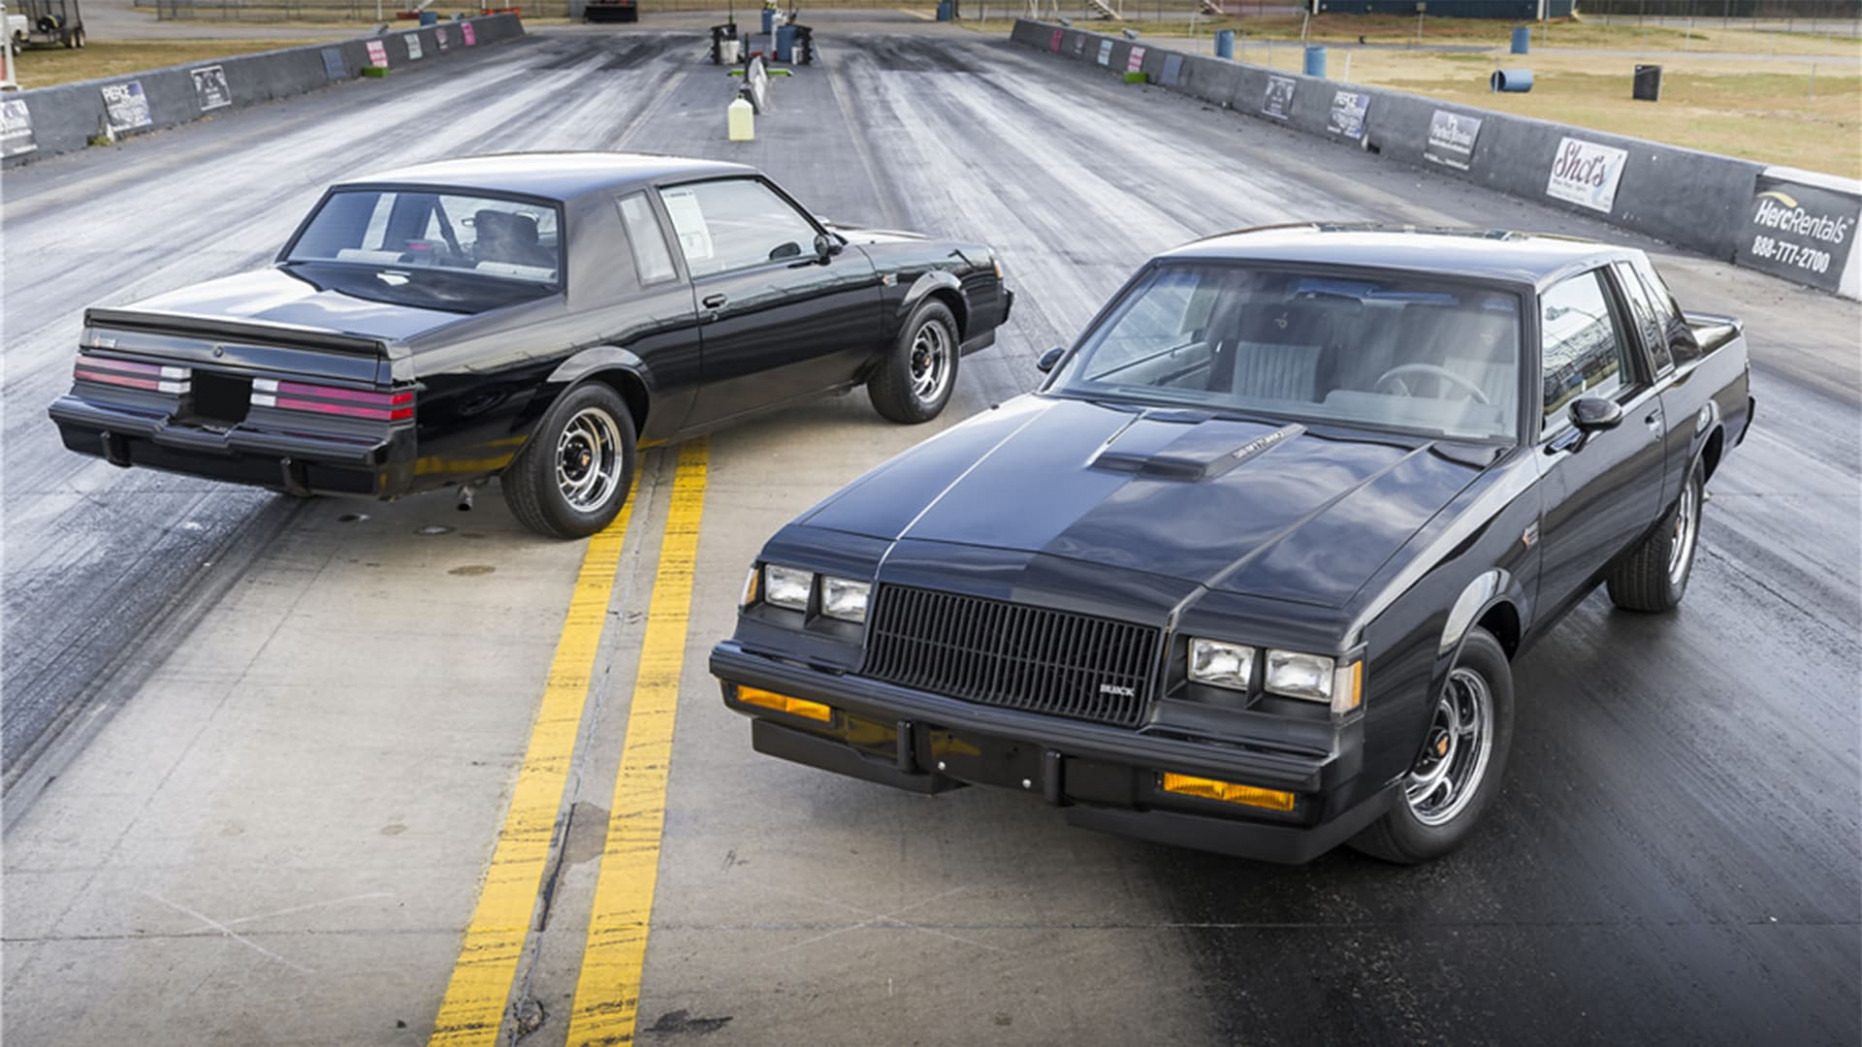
1432, 358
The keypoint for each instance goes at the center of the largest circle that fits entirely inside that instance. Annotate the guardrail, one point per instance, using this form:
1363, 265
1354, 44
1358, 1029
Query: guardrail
47, 121
1795, 224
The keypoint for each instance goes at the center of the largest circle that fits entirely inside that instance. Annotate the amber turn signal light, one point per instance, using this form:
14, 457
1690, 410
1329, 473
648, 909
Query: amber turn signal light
1227, 792
782, 703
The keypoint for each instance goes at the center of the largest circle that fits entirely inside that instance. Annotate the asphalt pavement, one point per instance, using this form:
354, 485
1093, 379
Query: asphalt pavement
262, 750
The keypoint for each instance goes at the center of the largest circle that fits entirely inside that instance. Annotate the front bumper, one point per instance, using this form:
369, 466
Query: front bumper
1104, 778
298, 463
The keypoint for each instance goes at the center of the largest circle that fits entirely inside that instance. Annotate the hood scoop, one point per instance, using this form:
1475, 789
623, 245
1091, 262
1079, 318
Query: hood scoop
1174, 445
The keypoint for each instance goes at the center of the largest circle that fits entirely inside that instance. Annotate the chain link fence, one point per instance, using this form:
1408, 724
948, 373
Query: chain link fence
1790, 16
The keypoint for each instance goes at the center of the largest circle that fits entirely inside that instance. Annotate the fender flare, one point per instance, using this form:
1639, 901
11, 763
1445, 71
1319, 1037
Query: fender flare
922, 287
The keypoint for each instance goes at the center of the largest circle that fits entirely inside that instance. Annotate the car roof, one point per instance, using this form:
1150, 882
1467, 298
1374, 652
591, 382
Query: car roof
556, 176
1491, 254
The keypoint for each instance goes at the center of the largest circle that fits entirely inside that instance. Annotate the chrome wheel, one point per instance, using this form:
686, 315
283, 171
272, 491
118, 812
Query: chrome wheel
930, 362
1686, 527
1456, 750
588, 459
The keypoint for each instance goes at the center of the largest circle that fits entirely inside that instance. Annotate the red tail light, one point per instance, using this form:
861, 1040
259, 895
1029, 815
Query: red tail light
155, 378
329, 399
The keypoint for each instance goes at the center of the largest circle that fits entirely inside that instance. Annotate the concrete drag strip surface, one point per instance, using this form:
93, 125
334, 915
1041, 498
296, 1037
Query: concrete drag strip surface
285, 833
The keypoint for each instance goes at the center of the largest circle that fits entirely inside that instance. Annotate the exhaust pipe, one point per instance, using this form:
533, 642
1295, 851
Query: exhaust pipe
466, 492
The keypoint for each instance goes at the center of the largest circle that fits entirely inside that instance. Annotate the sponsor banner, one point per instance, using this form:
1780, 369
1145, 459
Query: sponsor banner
1173, 70
471, 35
1803, 230
1348, 109
126, 106
378, 54
333, 65
16, 128
1451, 139
413, 46
1079, 46
1277, 102
1054, 44
443, 38
1135, 63
210, 89
1105, 52
1586, 174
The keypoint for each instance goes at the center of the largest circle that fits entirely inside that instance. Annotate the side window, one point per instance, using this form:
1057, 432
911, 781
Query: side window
735, 224
1654, 331
652, 258
1585, 353
1667, 310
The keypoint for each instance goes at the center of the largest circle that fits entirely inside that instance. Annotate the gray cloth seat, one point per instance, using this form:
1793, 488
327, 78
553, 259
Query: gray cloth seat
511, 239
1273, 353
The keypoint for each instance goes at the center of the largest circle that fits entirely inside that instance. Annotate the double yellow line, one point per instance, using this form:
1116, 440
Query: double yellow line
608, 989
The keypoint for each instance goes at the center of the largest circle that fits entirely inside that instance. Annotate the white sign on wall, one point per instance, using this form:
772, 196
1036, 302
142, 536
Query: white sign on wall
413, 46
1105, 52
1586, 174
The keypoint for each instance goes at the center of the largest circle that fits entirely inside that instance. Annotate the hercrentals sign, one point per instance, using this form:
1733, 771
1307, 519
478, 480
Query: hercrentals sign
1802, 226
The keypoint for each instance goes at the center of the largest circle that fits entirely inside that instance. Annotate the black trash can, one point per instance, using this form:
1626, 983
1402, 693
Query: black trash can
1648, 83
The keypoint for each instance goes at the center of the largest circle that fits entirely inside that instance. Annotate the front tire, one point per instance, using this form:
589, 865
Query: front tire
573, 475
914, 381
1653, 577
1458, 772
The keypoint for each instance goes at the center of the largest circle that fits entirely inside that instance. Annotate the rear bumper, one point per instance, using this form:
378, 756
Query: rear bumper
299, 463
1104, 778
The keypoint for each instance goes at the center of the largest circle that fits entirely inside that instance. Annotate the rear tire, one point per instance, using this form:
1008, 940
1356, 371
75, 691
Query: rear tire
1653, 577
573, 474
914, 381
1458, 772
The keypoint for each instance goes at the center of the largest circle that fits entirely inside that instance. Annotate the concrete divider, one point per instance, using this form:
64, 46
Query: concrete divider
47, 121
1794, 225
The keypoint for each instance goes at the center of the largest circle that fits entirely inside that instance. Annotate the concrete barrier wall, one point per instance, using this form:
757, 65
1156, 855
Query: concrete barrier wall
47, 121
1702, 201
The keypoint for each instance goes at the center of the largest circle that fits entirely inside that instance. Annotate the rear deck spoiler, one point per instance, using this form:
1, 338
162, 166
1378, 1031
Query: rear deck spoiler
288, 336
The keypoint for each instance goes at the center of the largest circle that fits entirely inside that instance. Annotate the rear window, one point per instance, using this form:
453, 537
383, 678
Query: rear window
398, 231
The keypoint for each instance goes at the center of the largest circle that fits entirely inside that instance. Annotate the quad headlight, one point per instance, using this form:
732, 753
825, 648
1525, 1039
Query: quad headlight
792, 588
1287, 674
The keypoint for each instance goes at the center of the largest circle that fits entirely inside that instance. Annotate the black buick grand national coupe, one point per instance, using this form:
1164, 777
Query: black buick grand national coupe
1248, 574
528, 317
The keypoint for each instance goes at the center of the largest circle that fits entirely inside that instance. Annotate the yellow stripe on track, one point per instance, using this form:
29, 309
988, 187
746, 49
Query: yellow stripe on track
473, 1010
607, 994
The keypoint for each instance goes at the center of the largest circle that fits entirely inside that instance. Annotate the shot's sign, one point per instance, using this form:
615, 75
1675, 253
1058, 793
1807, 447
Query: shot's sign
1802, 226
1586, 174
1452, 137
210, 88
378, 54
125, 106
16, 128
1348, 109
1277, 102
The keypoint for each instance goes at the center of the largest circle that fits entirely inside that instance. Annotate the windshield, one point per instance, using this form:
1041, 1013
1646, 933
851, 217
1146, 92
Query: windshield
432, 248
1391, 352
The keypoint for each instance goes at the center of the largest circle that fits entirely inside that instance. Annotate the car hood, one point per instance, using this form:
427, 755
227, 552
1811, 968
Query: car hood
273, 296
1267, 509
855, 234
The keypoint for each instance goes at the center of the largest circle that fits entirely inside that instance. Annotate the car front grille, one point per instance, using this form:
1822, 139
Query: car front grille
1012, 655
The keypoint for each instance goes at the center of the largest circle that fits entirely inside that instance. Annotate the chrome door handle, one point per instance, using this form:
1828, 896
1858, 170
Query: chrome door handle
715, 301
1654, 422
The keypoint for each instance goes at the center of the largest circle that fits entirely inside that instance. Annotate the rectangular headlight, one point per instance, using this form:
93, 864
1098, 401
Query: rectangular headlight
787, 586
1294, 675
1221, 664
844, 599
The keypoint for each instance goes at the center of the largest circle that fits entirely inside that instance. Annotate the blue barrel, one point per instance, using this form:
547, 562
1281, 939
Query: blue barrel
943, 10
769, 20
429, 18
1315, 60
1225, 43
785, 43
1522, 39
1516, 81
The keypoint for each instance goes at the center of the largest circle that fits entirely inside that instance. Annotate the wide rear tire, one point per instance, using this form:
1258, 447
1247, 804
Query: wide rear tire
573, 475
1653, 577
914, 381
1458, 772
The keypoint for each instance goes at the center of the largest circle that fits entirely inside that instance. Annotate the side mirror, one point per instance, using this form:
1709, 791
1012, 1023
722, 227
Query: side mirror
1594, 414
1050, 358
826, 246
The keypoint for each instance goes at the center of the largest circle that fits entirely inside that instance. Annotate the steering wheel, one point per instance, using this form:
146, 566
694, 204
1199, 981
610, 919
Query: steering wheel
1394, 377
